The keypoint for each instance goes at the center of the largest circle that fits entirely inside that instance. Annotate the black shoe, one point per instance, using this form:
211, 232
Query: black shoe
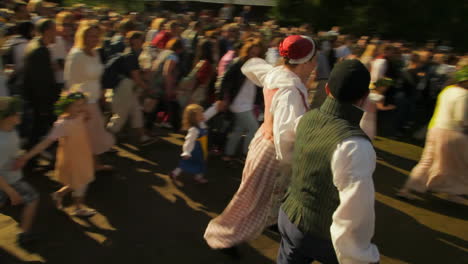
274, 228
27, 239
232, 252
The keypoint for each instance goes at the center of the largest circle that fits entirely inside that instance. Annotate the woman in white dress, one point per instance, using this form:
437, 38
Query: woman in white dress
444, 163
83, 70
266, 172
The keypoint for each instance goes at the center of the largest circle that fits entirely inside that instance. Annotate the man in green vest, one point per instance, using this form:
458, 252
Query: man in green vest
328, 211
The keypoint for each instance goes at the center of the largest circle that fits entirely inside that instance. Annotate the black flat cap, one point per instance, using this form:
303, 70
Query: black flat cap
349, 81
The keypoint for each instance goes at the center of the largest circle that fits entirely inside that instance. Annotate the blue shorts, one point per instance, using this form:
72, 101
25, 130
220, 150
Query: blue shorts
27, 192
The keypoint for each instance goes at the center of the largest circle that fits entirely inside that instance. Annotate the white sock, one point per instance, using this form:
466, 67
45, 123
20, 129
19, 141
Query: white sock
177, 171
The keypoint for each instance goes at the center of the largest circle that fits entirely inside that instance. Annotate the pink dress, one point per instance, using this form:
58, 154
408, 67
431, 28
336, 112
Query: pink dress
74, 166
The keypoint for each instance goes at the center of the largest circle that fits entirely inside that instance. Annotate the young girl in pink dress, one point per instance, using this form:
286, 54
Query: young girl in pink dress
74, 166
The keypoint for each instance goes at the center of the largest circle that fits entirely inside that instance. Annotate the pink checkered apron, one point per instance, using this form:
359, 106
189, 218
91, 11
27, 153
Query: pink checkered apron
246, 215
256, 203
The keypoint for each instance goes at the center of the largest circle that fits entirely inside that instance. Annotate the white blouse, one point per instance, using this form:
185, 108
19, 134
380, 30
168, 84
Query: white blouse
288, 103
83, 73
353, 163
452, 109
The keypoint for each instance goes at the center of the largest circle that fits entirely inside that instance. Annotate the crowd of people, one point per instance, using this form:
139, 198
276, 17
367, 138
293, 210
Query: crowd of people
304, 105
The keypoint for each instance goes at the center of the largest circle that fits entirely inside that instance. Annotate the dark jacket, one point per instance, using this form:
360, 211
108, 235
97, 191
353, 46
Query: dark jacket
228, 86
230, 83
40, 88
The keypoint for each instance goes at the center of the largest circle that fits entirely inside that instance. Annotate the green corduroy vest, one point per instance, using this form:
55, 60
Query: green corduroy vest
312, 198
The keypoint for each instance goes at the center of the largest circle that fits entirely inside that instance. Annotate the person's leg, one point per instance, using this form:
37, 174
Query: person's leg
31, 201
136, 118
419, 175
78, 199
27, 217
175, 173
174, 115
121, 105
235, 136
251, 126
57, 196
290, 251
200, 178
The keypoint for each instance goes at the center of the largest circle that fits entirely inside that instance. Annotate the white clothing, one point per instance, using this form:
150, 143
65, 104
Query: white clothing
287, 104
125, 105
378, 69
352, 165
18, 45
58, 52
83, 73
192, 133
452, 109
369, 119
272, 56
245, 99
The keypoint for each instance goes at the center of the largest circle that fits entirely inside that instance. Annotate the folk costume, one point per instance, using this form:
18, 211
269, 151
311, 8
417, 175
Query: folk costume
328, 211
268, 164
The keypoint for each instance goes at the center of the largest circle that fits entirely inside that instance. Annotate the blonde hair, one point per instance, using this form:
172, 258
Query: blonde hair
83, 29
370, 51
158, 23
63, 16
250, 44
34, 5
189, 118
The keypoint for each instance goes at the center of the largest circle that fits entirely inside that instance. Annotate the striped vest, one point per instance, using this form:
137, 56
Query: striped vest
312, 198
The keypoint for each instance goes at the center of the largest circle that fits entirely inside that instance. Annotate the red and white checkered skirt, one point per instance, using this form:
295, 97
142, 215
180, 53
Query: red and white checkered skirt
247, 214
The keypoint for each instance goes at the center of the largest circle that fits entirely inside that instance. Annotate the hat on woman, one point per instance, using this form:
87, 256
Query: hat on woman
297, 49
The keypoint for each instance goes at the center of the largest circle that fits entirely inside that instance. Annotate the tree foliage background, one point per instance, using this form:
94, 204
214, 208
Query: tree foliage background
411, 20
121, 5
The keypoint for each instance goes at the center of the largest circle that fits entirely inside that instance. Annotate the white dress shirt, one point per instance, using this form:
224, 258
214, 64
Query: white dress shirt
352, 165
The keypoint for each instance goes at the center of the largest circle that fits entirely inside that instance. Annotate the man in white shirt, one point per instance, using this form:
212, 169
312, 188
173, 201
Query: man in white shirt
328, 211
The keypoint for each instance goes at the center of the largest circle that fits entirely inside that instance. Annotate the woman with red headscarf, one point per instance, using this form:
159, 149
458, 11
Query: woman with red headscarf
268, 164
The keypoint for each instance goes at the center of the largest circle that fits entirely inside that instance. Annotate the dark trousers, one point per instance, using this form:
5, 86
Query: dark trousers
43, 119
300, 248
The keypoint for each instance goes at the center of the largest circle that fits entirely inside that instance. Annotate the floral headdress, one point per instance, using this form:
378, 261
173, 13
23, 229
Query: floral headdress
461, 75
66, 99
384, 82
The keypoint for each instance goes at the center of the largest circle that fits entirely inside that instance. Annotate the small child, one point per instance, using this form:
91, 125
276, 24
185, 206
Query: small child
12, 186
195, 148
74, 166
375, 102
